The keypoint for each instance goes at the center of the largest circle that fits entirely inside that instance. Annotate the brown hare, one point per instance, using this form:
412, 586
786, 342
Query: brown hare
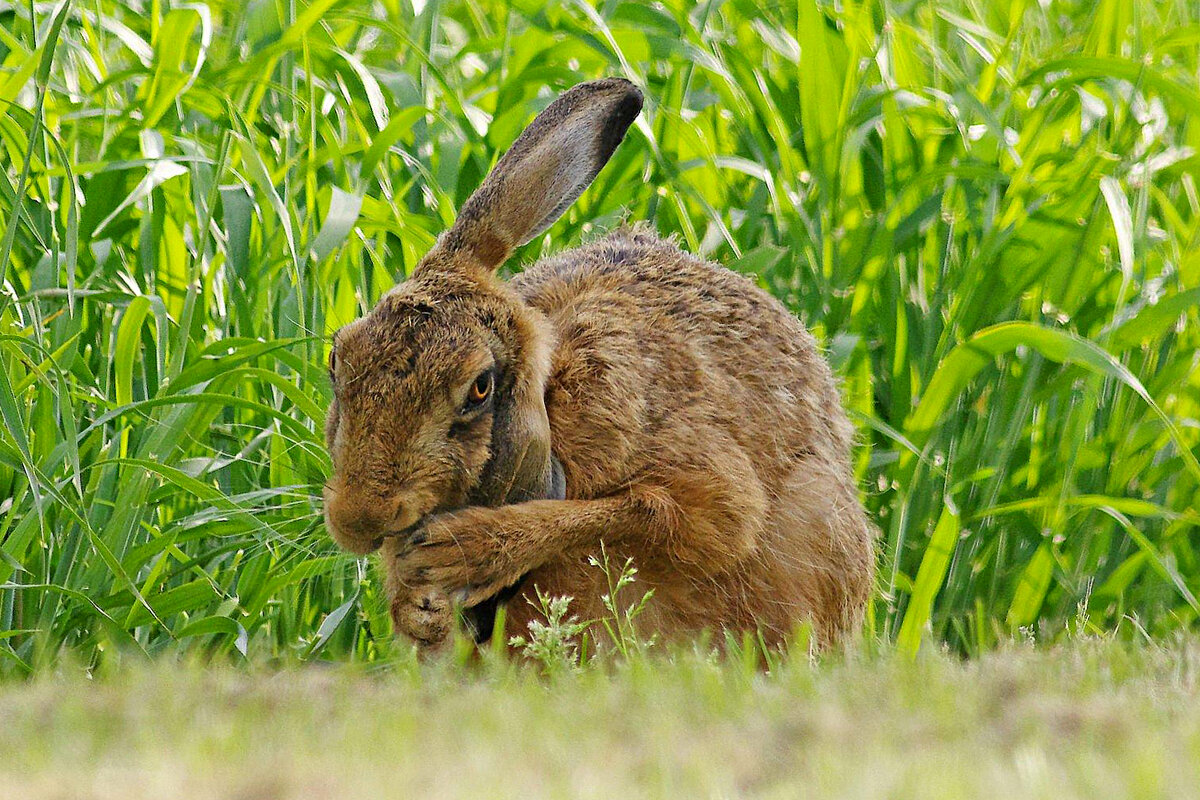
489, 436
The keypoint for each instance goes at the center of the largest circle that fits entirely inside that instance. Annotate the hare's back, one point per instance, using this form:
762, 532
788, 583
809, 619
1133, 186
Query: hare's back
639, 310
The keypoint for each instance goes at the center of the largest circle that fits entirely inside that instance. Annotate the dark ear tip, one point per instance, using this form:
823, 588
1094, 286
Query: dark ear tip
630, 100
626, 106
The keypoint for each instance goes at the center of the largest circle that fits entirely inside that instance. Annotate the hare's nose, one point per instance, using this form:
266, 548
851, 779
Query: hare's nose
358, 521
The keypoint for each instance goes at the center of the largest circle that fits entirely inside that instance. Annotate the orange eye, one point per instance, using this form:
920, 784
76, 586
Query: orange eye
332, 361
480, 390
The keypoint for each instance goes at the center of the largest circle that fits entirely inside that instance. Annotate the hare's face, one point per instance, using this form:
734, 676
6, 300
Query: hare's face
410, 426
437, 404
439, 392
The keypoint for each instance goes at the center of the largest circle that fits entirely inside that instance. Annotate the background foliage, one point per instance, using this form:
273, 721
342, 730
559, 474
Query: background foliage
987, 211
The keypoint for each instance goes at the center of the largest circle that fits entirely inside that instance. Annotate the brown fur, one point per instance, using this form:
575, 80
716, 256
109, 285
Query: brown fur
698, 428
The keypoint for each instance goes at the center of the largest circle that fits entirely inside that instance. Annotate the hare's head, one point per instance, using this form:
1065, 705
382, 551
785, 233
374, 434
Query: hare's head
438, 392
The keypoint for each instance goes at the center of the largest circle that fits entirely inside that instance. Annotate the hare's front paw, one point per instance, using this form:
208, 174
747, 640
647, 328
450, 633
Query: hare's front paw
423, 614
466, 553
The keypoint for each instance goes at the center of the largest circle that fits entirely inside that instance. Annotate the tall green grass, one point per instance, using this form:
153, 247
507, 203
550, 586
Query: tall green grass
987, 211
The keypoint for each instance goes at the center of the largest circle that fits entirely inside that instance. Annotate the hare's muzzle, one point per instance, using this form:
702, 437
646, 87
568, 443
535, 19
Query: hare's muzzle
358, 521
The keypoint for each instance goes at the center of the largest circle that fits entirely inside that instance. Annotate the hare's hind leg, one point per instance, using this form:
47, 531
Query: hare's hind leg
822, 557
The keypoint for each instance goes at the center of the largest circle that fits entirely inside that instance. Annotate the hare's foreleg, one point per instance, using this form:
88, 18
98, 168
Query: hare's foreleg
476, 552
700, 524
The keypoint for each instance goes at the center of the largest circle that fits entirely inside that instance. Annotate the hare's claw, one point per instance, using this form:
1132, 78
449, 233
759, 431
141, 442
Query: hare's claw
424, 615
459, 552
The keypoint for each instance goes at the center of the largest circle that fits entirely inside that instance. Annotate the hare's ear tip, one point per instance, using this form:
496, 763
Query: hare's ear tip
629, 98
624, 104
623, 84
618, 93
632, 99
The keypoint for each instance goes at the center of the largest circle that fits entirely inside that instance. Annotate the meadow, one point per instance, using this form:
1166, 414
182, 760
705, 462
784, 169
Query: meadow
1094, 719
987, 212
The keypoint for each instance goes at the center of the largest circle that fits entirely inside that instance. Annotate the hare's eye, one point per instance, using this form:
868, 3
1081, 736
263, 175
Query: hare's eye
332, 360
480, 390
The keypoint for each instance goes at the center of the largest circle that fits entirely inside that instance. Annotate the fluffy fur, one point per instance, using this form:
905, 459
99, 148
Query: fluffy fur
697, 426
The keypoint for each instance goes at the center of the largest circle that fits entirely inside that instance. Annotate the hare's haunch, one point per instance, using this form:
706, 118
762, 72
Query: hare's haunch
491, 436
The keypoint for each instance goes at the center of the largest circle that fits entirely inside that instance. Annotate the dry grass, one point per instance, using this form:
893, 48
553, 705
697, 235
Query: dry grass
1086, 720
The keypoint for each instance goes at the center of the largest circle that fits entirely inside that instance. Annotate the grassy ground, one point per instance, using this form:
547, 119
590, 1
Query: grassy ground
987, 212
1089, 720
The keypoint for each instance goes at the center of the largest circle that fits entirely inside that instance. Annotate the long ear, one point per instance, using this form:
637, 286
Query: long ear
545, 170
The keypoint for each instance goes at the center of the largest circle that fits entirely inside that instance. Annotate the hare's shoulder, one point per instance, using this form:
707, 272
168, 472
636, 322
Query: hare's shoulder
634, 310
618, 260
635, 268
